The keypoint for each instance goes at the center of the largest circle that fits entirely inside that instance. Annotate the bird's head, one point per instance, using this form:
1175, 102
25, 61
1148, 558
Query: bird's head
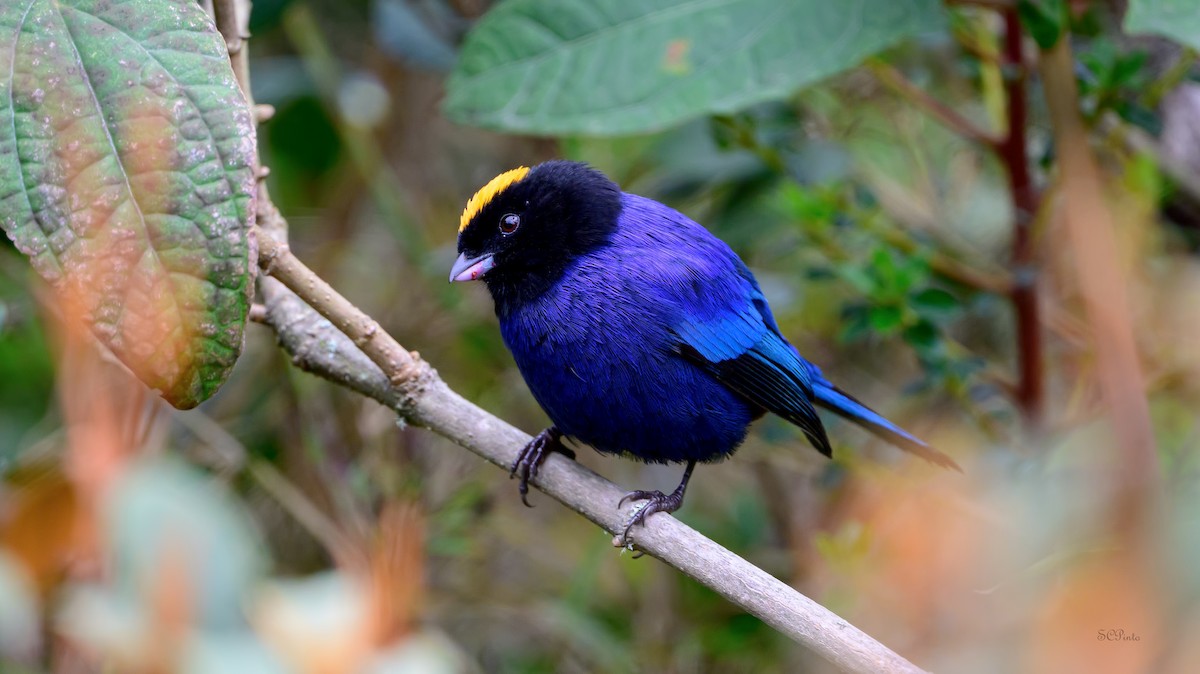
524, 228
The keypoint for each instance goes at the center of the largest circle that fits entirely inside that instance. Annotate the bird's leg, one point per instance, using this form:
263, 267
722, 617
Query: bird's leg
656, 501
535, 453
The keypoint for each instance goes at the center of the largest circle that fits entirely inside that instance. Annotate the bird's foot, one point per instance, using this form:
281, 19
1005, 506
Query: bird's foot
655, 502
533, 456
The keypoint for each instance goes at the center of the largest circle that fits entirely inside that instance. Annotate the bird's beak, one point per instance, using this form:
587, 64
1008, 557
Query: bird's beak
470, 268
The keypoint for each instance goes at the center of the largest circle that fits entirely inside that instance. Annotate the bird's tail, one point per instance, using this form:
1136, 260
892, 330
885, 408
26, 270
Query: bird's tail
836, 400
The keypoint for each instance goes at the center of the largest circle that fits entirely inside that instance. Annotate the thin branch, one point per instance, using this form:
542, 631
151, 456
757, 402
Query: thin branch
258, 313
424, 399
277, 260
1136, 140
344, 549
895, 80
1014, 155
1171, 79
949, 266
233, 21
226, 455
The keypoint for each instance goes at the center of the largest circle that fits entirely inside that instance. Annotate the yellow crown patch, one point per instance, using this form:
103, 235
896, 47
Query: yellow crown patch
489, 192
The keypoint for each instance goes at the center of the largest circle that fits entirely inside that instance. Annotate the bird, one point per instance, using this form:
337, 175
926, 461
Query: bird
638, 331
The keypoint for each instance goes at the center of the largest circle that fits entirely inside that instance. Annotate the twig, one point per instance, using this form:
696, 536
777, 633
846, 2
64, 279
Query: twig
950, 267
1014, 154
277, 260
233, 21
942, 263
226, 455
1011, 149
258, 313
1136, 140
1172, 78
895, 80
342, 547
220, 451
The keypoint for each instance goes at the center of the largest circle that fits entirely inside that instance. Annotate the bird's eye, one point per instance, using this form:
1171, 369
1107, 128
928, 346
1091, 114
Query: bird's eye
509, 223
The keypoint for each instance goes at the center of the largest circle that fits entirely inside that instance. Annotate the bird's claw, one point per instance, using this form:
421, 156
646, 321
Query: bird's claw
639, 495
655, 502
533, 456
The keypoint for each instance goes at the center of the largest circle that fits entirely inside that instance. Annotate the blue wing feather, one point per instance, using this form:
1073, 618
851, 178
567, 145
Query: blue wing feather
743, 349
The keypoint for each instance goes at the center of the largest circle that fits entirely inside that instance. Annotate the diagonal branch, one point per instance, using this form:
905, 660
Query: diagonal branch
415, 391
895, 80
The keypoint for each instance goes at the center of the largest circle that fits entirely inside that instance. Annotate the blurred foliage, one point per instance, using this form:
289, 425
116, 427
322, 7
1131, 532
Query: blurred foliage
288, 525
1175, 19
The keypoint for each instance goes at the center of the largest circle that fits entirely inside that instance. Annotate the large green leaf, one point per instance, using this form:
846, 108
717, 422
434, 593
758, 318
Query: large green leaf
126, 176
1176, 19
615, 66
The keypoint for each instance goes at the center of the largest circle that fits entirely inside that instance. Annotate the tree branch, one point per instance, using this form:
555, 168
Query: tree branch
277, 260
424, 399
1014, 154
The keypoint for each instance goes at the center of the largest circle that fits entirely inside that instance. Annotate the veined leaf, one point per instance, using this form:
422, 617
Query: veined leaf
615, 66
126, 177
1176, 19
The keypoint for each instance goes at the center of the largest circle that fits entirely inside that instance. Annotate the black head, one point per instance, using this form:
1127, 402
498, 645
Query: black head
522, 230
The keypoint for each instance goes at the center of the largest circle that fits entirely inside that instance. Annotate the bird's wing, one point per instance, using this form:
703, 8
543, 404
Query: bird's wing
737, 345
715, 312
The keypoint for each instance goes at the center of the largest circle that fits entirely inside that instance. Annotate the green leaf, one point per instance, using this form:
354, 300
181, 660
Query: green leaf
619, 67
863, 282
1127, 67
1175, 19
126, 177
1046, 20
934, 300
883, 266
910, 271
886, 319
855, 324
922, 336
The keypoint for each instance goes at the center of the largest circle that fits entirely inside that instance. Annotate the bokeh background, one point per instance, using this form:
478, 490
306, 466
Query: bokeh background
880, 238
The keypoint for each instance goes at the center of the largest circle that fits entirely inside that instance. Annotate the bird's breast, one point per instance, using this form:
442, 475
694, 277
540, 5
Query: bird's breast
599, 361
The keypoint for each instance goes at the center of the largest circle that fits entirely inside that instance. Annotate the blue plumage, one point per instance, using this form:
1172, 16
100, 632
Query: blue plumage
637, 330
600, 349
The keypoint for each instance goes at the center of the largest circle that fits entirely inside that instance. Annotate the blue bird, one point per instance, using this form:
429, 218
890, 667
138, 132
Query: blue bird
638, 331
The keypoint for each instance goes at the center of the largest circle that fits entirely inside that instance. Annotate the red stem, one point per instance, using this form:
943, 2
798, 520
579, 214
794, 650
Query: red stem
1013, 153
